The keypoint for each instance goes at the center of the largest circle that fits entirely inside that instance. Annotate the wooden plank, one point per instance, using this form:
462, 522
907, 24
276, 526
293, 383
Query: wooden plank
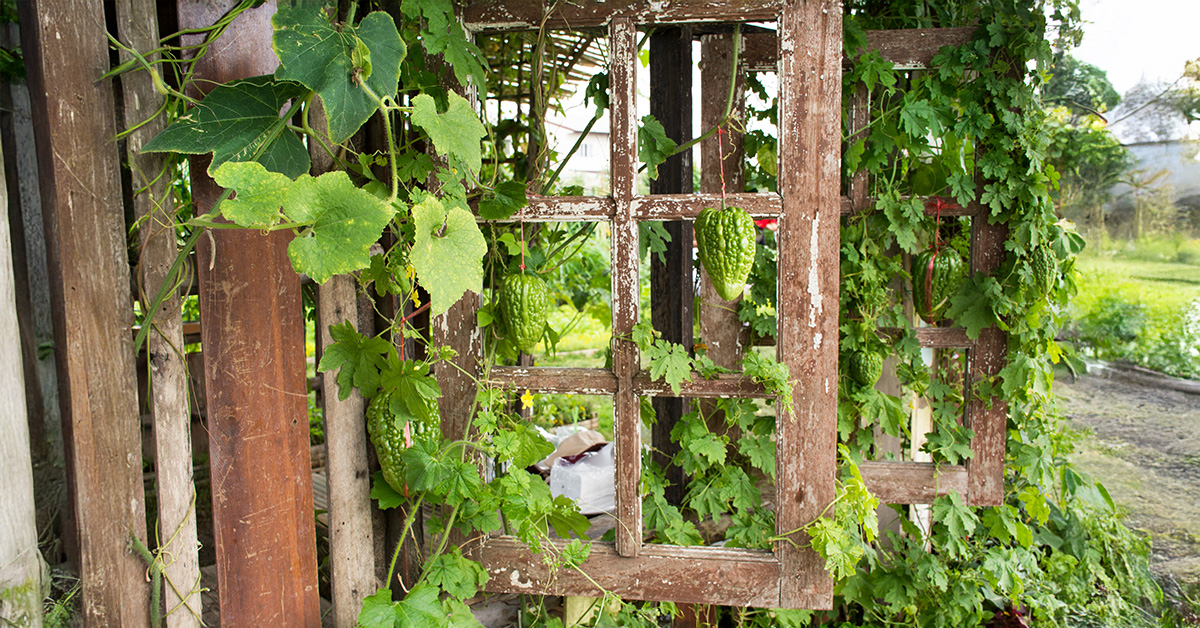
689, 206
655, 207
137, 22
733, 577
908, 49
254, 370
517, 15
65, 51
810, 99
351, 533
912, 482
622, 80
20, 562
848, 207
934, 337
671, 292
585, 381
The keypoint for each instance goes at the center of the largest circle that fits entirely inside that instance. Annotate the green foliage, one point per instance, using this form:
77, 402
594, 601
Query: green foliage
1079, 86
350, 66
654, 147
444, 234
240, 121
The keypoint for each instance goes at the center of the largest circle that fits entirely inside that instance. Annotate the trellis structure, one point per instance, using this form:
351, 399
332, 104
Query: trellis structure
255, 368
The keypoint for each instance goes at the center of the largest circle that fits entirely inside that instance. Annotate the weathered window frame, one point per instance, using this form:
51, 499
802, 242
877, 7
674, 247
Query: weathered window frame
807, 53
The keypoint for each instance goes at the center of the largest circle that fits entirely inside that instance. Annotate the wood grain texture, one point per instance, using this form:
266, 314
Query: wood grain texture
351, 537
137, 22
20, 562
934, 337
810, 52
255, 381
848, 207
591, 381
912, 482
720, 329
65, 52
908, 49
517, 15
351, 531
660, 572
625, 289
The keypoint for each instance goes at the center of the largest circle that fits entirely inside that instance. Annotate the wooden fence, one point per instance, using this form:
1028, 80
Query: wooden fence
252, 328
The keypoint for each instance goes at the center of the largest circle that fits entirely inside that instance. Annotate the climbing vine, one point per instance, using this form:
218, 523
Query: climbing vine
970, 131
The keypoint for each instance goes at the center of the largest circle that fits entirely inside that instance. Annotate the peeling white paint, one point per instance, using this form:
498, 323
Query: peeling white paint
816, 305
514, 578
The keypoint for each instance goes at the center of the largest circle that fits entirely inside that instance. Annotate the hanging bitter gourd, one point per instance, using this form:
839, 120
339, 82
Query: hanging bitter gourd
725, 239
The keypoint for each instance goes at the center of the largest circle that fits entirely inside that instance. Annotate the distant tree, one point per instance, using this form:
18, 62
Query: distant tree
1089, 161
1185, 97
1080, 87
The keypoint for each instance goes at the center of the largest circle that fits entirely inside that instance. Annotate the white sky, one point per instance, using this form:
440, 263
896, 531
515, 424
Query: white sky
1132, 39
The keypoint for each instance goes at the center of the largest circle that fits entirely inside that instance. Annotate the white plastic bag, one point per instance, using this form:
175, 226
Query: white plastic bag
590, 481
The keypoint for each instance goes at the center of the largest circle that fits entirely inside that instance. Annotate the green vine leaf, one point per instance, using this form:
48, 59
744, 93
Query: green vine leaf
360, 359
654, 147
507, 199
421, 608
234, 122
378, 611
336, 61
447, 252
456, 132
454, 574
383, 493
442, 34
345, 222
260, 193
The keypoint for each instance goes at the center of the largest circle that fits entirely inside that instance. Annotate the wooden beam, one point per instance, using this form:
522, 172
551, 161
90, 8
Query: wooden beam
589, 381
710, 575
66, 50
625, 290
351, 533
810, 45
517, 15
254, 369
908, 49
671, 292
912, 482
20, 562
137, 22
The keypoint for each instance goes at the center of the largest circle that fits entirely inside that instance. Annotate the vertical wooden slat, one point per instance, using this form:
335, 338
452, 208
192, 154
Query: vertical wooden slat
138, 28
810, 50
720, 328
20, 563
671, 295
623, 107
985, 470
65, 53
351, 533
860, 117
253, 335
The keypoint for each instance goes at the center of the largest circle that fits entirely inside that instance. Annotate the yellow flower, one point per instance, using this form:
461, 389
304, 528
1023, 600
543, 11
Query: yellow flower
526, 400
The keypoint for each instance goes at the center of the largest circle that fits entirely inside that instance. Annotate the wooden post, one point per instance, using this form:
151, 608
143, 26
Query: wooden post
720, 329
20, 562
137, 22
351, 534
66, 53
254, 372
671, 292
622, 79
810, 96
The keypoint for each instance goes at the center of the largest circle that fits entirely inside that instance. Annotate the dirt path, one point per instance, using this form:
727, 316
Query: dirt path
1144, 446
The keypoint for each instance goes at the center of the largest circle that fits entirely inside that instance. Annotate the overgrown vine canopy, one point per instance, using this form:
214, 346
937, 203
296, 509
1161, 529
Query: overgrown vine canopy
971, 130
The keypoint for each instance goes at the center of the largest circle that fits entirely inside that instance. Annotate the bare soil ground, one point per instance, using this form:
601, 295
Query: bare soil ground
1143, 443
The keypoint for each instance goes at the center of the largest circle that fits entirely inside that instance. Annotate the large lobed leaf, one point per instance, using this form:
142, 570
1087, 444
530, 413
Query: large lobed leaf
336, 62
447, 252
240, 121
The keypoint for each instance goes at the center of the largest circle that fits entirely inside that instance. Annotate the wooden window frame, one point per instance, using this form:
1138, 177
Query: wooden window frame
807, 53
